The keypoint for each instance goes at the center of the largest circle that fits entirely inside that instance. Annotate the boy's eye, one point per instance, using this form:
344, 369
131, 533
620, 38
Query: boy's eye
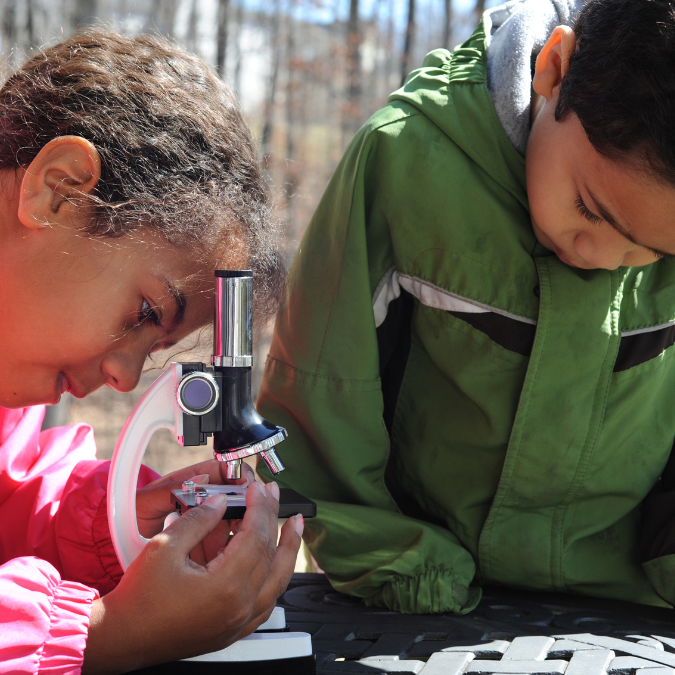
147, 313
585, 211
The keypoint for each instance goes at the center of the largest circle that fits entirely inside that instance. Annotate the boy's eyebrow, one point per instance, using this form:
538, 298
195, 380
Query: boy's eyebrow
180, 301
606, 215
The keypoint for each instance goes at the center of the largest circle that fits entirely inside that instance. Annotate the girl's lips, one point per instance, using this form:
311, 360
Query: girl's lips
65, 385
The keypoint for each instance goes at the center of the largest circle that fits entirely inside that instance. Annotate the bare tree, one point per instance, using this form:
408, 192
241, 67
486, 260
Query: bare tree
30, 23
290, 178
480, 8
85, 12
275, 43
221, 39
409, 41
8, 24
238, 47
163, 15
191, 37
447, 24
354, 37
122, 7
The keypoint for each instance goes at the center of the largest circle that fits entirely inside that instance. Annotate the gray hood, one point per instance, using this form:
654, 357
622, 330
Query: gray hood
515, 33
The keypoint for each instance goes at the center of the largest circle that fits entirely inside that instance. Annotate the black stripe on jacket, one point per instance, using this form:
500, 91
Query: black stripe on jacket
518, 337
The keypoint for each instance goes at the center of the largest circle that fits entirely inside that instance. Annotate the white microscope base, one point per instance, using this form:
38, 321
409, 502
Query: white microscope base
263, 647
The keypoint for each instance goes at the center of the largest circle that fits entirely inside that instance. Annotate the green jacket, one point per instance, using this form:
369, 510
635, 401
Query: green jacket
465, 408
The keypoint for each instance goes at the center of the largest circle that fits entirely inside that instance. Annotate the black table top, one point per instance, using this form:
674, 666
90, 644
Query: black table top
344, 631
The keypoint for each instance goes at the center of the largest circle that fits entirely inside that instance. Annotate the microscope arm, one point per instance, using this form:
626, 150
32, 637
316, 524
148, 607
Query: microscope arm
157, 409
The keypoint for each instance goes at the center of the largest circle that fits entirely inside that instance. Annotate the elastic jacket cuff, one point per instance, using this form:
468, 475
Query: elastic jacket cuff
431, 592
63, 649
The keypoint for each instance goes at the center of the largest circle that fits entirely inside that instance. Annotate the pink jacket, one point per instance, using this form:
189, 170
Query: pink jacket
56, 556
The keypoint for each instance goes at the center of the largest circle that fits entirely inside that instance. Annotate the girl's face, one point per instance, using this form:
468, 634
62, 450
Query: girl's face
80, 312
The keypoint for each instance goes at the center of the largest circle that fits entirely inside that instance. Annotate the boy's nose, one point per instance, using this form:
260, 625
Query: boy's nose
602, 249
122, 369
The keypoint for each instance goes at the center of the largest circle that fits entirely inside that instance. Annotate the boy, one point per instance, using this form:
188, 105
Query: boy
474, 360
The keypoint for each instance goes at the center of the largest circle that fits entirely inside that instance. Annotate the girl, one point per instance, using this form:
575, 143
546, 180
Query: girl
127, 175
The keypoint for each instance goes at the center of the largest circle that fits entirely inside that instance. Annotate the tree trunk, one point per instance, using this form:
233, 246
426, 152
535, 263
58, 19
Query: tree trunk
290, 179
409, 42
447, 27
239, 56
191, 37
164, 15
8, 25
372, 99
221, 44
275, 51
480, 8
353, 116
122, 12
30, 23
85, 13
392, 73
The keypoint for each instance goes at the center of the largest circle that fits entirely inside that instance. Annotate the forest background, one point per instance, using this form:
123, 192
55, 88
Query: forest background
308, 74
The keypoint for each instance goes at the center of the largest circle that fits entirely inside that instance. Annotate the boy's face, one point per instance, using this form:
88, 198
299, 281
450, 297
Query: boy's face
79, 313
592, 212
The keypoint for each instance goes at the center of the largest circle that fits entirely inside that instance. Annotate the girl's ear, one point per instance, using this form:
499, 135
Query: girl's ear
553, 61
63, 172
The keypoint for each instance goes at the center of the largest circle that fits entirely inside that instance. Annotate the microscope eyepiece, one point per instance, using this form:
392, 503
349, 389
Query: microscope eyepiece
233, 324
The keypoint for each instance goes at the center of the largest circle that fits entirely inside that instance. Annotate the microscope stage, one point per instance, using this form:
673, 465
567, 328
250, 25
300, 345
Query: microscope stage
290, 501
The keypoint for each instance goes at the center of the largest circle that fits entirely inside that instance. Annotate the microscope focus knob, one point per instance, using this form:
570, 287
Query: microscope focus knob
197, 393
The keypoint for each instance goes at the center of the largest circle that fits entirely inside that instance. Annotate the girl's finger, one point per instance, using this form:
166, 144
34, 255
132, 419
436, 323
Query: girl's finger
215, 541
198, 556
272, 490
154, 500
283, 566
284, 559
251, 547
193, 526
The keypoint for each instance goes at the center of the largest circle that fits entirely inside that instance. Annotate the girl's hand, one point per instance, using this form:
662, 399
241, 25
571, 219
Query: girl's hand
153, 502
169, 607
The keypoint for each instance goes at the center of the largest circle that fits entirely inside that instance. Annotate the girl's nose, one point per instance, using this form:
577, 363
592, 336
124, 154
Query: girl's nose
122, 369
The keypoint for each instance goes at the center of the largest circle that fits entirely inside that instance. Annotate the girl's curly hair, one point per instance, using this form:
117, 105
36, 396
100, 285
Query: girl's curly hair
176, 154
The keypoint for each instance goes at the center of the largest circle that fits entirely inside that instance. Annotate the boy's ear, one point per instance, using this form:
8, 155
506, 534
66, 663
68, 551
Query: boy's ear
553, 61
66, 169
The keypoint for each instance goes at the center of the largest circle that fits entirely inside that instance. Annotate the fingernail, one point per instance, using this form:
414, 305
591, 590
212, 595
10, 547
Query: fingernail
201, 478
299, 524
275, 491
216, 501
260, 488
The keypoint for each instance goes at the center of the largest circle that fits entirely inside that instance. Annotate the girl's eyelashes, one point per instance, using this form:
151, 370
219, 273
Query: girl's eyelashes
585, 211
148, 313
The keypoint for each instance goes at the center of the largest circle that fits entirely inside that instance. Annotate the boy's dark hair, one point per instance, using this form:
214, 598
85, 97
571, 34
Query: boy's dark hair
621, 82
176, 154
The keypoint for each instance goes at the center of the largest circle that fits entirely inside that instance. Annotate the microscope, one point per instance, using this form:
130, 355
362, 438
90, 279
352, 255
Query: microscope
196, 401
